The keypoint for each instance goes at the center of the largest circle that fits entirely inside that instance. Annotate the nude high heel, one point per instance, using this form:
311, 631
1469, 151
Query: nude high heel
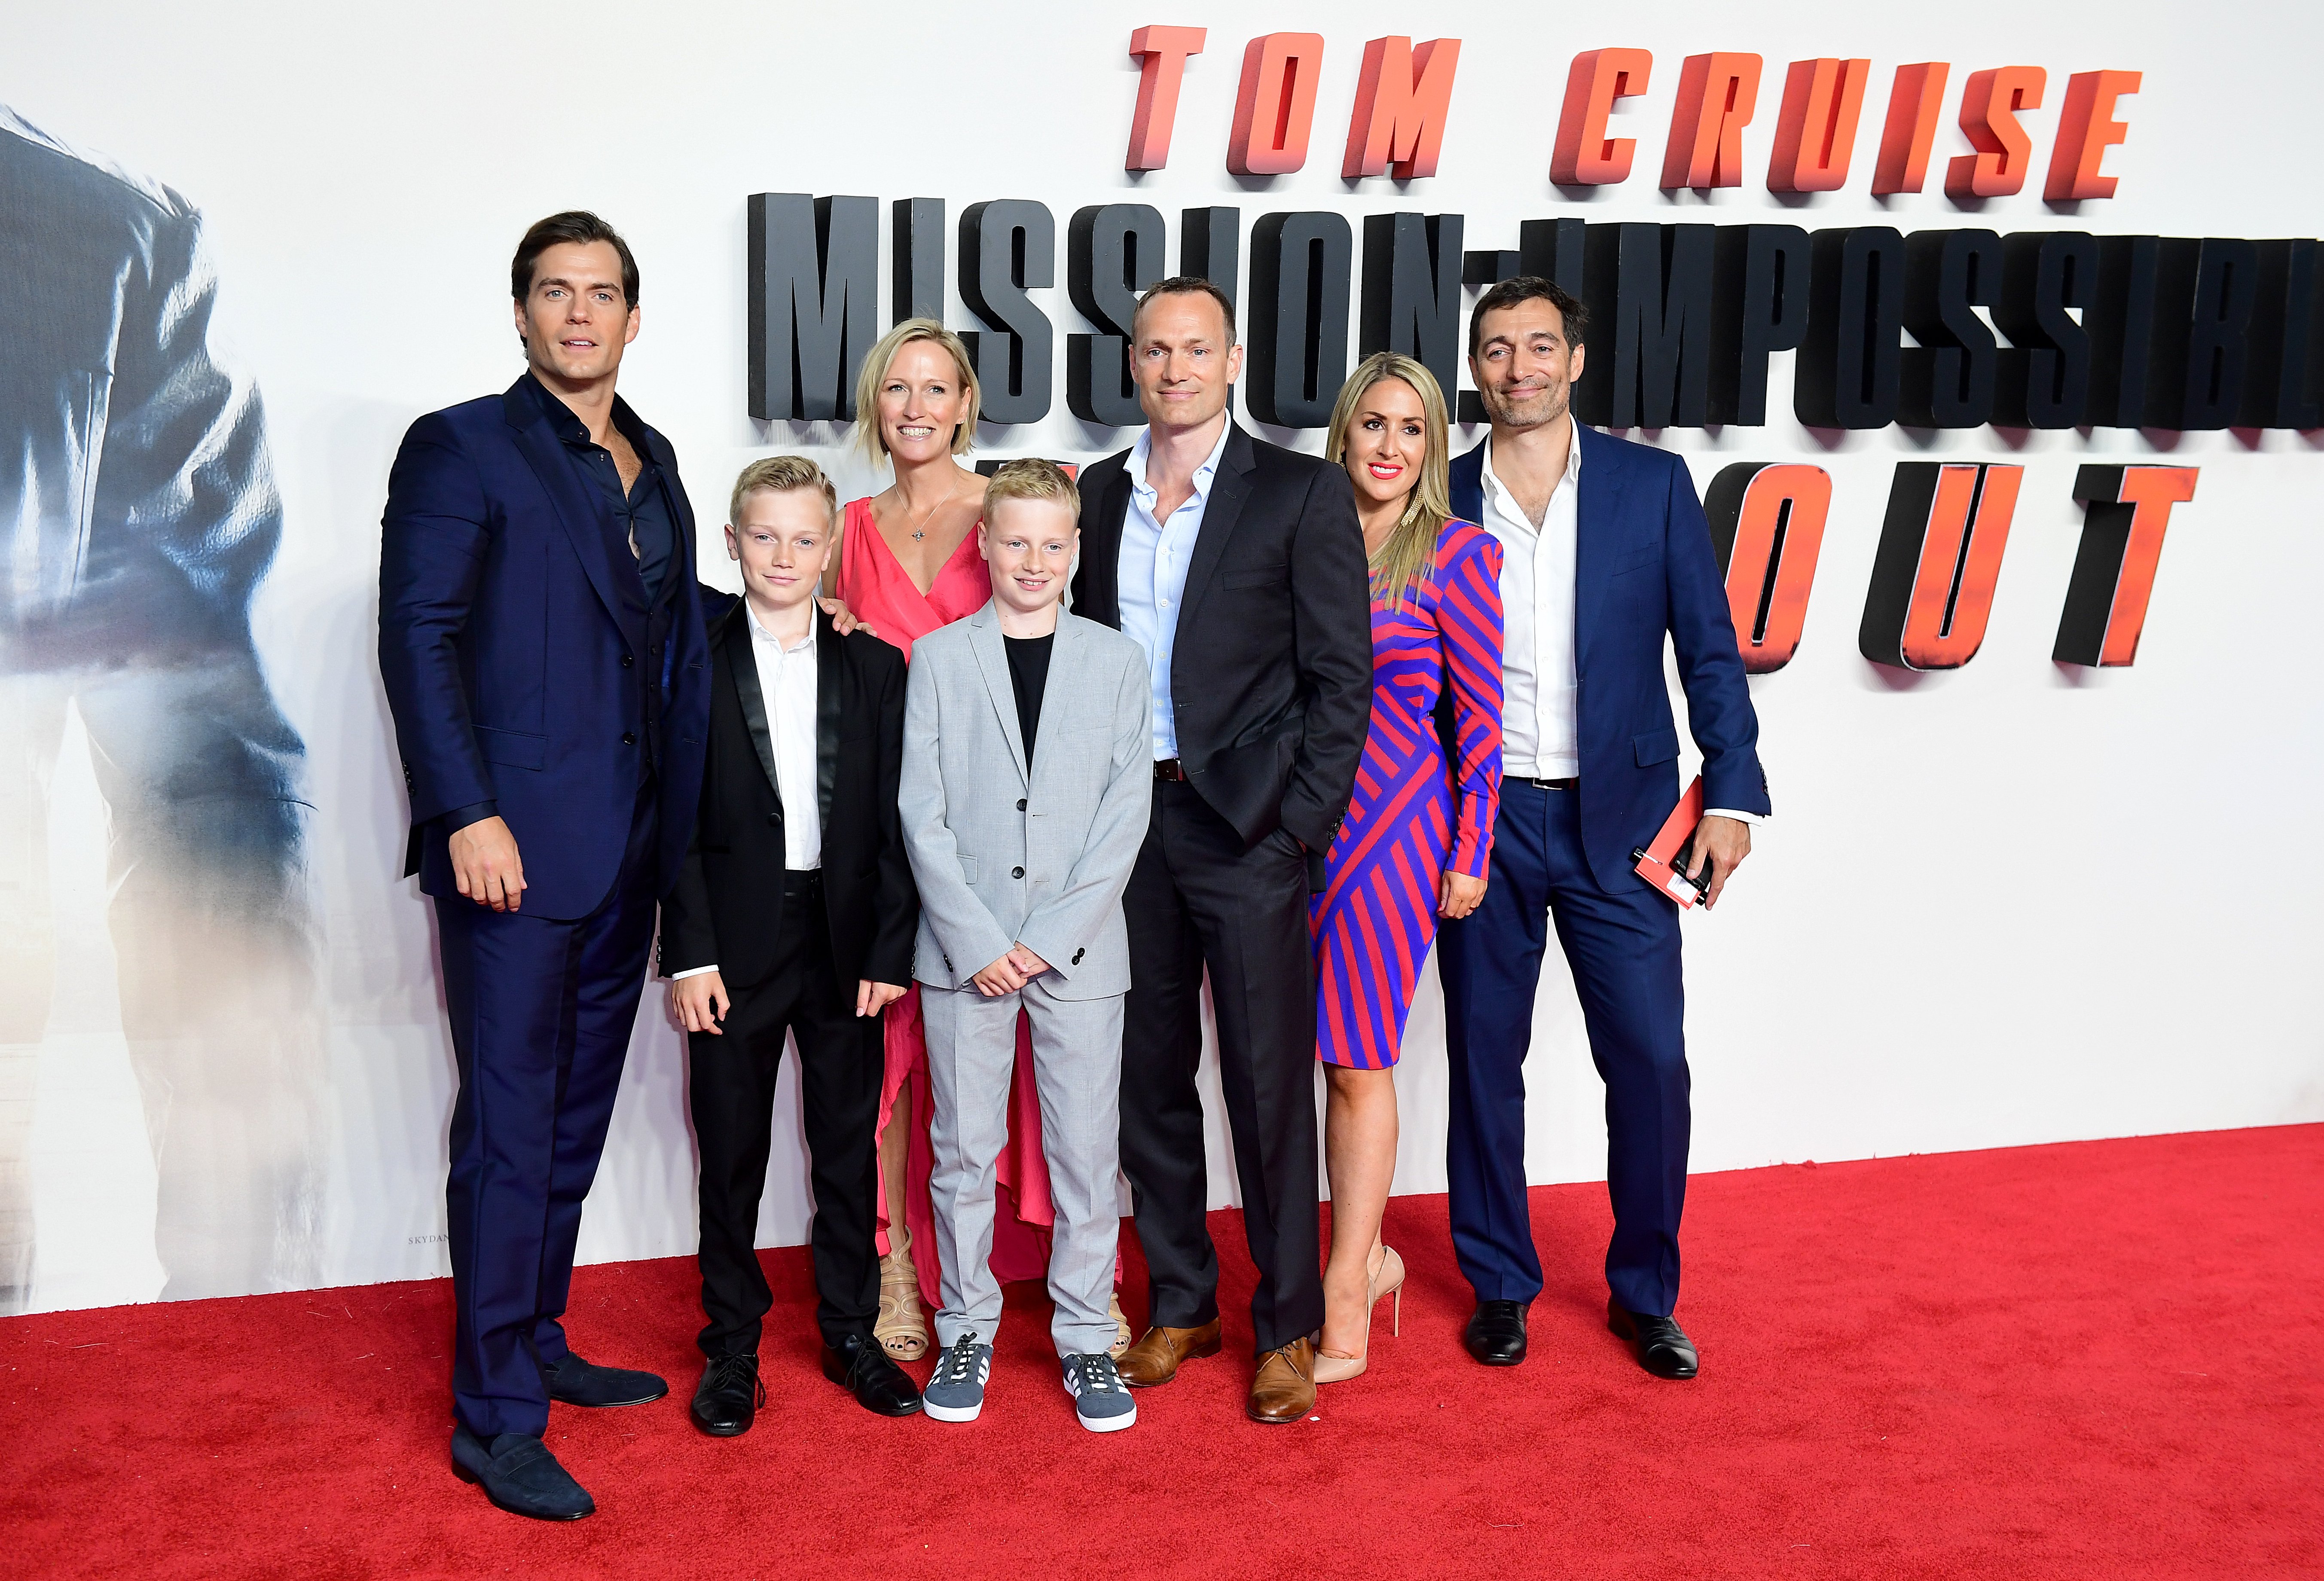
1387, 1282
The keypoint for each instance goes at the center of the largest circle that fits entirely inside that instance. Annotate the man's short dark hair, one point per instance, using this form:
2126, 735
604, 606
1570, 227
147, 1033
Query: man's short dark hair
1187, 285
1531, 288
577, 225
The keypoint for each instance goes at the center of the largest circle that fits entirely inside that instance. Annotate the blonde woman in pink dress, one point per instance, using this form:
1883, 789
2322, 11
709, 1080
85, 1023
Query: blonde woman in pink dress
906, 564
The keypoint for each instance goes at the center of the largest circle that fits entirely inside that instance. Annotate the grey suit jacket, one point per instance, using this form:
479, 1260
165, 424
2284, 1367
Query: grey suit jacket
1003, 857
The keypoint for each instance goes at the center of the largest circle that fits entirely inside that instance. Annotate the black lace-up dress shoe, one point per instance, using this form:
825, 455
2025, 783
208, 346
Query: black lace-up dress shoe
1660, 1345
728, 1399
519, 1473
579, 1382
1497, 1333
863, 1369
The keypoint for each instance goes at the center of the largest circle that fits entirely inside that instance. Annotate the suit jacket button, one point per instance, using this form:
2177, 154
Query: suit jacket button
629, 738
1020, 804
774, 820
628, 659
1077, 957
1015, 872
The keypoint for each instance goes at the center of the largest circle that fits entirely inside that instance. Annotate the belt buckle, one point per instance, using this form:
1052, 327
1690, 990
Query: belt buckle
1170, 768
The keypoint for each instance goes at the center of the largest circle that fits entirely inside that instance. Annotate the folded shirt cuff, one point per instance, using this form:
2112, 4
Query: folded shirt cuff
680, 977
1731, 812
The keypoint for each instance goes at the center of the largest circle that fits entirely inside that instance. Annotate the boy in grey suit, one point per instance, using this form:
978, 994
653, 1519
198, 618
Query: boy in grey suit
1026, 788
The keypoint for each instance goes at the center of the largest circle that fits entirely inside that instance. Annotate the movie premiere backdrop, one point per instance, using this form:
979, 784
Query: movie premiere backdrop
1991, 335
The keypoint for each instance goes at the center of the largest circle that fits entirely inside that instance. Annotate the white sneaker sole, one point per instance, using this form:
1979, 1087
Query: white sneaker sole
951, 1412
1103, 1424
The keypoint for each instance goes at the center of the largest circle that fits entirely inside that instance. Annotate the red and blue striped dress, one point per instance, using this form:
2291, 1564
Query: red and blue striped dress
1377, 917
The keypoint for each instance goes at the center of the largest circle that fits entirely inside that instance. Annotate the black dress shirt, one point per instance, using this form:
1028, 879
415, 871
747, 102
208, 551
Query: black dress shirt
1029, 678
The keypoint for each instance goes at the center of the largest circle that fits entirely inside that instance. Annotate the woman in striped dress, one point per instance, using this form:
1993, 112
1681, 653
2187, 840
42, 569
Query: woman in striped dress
1419, 829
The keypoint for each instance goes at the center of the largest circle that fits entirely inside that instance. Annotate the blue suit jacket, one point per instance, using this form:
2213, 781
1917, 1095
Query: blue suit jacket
512, 640
1644, 569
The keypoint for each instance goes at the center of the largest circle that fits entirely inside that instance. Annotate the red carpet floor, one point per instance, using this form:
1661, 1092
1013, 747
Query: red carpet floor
2097, 1359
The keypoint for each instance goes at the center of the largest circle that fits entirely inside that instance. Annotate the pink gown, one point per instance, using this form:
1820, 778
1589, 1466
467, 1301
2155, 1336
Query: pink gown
880, 593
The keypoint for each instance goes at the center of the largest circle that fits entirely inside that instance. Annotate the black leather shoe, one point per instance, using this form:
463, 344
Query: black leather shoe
861, 1367
729, 1397
1497, 1333
1660, 1345
519, 1473
579, 1382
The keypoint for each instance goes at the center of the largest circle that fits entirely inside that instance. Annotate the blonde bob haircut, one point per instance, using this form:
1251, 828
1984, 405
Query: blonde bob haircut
1031, 478
882, 357
1405, 559
782, 474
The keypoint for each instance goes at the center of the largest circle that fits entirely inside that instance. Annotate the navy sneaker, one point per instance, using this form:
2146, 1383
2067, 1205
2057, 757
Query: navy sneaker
1102, 1400
956, 1391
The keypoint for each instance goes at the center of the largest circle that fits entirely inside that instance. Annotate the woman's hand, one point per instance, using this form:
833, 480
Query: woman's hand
872, 997
844, 621
1462, 895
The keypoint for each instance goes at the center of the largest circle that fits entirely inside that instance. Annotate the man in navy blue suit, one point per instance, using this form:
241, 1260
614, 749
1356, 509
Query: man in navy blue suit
541, 641
1606, 555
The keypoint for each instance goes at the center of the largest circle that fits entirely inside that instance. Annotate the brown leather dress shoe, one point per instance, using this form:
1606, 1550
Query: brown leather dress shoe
1285, 1389
1155, 1358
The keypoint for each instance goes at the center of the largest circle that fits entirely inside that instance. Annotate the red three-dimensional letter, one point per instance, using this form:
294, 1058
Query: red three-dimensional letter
1585, 155
1988, 115
2085, 129
1939, 560
1766, 523
1815, 132
1161, 53
1276, 105
1717, 95
1911, 130
1401, 100
2125, 509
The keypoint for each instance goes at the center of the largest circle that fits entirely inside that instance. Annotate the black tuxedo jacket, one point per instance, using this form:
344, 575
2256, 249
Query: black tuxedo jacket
727, 908
1271, 672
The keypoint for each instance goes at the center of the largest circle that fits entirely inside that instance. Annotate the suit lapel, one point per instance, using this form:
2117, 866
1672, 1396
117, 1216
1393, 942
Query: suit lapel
1229, 490
743, 664
1101, 543
1597, 508
992, 660
828, 658
588, 527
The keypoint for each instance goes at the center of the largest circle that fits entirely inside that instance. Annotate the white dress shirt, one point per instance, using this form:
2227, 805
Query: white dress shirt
1150, 576
1540, 737
787, 677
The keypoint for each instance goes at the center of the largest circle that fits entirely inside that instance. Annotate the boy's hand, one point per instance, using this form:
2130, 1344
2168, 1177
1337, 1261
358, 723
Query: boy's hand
701, 1002
872, 997
1001, 977
1025, 961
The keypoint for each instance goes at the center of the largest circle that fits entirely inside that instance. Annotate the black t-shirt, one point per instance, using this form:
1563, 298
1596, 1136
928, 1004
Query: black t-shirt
1029, 676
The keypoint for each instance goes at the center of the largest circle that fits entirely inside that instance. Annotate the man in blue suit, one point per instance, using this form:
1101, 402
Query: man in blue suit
542, 644
1605, 555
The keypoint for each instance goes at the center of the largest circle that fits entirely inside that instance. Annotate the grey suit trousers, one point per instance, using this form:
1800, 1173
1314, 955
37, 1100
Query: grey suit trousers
1077, 1068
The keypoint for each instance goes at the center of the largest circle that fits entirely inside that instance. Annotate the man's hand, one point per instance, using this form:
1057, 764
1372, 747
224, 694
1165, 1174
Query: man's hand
872, 997
843, 620
486, 865
1462, 895
1001, 977
1725, 841
1026, 963
700, 1002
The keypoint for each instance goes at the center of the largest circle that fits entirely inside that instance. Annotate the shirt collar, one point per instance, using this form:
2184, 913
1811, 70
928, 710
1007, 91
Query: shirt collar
760, 634
570, 428
1139, 452
1494, 489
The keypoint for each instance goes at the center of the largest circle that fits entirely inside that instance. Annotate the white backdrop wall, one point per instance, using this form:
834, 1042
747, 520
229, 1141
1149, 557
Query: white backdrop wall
2016, 903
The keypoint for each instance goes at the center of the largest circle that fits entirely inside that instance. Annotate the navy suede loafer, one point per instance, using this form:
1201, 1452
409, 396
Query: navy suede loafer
519, 1473
579, 1382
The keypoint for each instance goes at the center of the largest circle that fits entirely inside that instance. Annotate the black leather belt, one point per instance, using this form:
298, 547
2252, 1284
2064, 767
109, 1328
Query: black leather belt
1565, 784
797, 880
1170, 769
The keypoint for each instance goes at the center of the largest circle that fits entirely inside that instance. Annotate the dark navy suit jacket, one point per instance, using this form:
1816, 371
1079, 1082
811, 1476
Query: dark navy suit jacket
513, 642
1643, 569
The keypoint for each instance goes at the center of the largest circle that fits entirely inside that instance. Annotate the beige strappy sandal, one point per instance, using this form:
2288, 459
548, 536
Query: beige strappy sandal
901, 1331
1121, 1335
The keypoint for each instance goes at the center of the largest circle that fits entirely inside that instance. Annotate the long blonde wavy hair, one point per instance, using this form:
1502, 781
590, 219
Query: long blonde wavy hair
1404, 560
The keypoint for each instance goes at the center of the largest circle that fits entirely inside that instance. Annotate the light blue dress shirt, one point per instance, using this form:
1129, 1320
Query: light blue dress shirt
1153, 574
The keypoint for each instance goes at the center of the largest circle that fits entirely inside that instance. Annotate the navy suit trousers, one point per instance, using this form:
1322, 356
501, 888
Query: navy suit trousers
1623, 949
542, 1014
